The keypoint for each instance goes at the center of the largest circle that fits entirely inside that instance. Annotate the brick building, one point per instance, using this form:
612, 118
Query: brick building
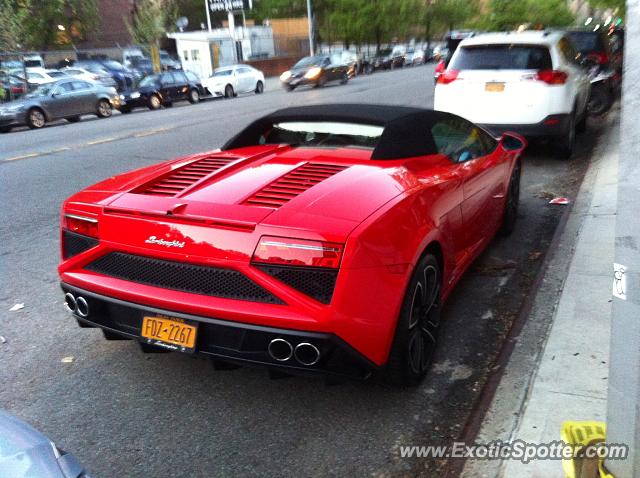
112, 29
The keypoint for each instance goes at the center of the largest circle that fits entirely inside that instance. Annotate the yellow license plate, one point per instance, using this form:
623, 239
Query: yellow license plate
169, 332
494, 87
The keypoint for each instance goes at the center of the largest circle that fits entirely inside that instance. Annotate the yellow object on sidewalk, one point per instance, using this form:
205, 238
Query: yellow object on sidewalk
581, 435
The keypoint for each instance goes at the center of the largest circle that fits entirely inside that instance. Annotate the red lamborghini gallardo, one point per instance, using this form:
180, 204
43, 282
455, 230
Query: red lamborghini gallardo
320, 239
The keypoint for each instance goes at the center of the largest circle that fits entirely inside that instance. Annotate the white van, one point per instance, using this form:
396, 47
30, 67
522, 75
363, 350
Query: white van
33, 61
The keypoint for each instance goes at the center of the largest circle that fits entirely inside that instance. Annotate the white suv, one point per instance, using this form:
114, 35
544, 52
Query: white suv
525, 82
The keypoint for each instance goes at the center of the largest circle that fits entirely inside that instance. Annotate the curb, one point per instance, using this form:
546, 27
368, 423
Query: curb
549, 280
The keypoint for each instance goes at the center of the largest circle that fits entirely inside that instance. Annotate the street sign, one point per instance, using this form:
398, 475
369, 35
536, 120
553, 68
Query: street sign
230, 5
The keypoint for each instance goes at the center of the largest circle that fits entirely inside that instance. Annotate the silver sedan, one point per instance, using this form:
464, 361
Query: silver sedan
64, 99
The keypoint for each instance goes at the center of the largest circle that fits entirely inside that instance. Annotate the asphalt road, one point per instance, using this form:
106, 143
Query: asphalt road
124, 413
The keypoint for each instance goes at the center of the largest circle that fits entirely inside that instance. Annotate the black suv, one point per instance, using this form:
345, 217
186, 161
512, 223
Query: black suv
161, 89
592, 45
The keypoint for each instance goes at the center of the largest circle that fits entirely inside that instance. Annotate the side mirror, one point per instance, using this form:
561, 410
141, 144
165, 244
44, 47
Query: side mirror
513, 142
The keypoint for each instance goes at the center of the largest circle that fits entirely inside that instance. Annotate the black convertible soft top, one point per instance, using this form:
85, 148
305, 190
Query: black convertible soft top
406, 133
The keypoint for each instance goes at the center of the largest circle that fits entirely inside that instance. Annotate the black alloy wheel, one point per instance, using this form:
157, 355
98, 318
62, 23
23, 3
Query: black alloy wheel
416, 332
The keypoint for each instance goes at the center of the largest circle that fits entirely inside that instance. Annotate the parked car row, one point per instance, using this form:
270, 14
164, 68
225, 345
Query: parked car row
70, 97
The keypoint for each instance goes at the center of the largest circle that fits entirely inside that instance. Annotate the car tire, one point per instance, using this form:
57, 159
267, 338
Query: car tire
581, 126
512, 201
104, 109
289, 88
259, 88
155, 103
415, 337
5, 129
600, 101
194, 96
228, 92
566, 143
125, 110
321, 82
73, 119
36, 118
345, 79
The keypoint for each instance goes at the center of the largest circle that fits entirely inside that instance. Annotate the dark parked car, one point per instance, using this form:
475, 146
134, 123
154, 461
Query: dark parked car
69, 99
161, 89
592, 46
168, 62
11, 87
316, 71
143, 66
388, 59
123, 77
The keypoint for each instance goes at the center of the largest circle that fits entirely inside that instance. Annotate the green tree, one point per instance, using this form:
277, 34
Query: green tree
509, 14
440, 16
149, 22
12, 33
51, 23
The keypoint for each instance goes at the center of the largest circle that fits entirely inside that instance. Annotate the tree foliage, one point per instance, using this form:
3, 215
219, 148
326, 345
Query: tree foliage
12, 33
149, 21
509, 14
41, 19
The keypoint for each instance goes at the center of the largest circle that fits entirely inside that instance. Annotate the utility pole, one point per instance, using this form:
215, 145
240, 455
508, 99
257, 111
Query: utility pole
206, 6
310, 17
623, 396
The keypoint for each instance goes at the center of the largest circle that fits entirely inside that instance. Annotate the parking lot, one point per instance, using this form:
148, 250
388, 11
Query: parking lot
124, 413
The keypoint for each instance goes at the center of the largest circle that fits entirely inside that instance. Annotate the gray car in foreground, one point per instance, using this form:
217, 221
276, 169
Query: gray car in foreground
64, 99
26, 453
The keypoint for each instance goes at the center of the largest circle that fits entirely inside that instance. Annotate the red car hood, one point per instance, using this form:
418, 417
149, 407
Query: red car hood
278, 186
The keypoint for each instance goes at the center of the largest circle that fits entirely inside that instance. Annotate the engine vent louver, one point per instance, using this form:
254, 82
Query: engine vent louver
177, 181
292, 184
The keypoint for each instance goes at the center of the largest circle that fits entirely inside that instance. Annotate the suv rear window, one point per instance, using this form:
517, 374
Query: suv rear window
586, 42
502, 57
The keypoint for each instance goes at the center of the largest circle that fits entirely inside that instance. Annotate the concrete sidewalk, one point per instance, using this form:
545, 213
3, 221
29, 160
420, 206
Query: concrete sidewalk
558, 370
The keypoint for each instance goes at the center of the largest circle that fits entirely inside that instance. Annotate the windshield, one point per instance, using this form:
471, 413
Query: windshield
151, 80
222, 73
502, 57
586, 42
55, 74
309, 61
323, 134
43, 90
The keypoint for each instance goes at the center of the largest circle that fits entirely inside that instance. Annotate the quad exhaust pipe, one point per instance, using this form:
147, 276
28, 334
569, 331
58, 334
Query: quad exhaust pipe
305, 353
280, 350
77, 305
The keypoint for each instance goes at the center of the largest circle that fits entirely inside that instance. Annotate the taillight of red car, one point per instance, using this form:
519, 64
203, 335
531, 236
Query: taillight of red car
87, 226
448, 76
297, 252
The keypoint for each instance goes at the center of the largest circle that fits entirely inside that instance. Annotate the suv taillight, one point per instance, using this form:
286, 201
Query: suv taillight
551, 77
87, 226
448, 76
297, 252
